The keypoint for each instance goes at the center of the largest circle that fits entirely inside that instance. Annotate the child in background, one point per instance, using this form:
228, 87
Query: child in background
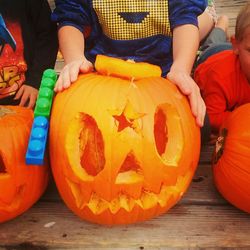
163, 33
28, 46
223, 73
207, 20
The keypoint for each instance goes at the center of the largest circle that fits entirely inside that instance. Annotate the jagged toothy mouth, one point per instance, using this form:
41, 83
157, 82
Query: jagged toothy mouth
147, 200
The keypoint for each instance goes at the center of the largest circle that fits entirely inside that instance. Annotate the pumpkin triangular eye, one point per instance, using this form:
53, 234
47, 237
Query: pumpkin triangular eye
2, 166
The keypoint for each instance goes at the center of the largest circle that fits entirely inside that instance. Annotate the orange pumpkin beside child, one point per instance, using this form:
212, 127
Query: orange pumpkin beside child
21, 185
124, 144
231, 164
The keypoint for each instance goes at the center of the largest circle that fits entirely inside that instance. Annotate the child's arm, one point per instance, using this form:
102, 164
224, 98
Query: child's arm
71, 41
40, 47
185, 45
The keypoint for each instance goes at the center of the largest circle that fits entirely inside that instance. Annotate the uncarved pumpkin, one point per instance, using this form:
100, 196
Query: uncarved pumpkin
123, 143
20, 184
231, 164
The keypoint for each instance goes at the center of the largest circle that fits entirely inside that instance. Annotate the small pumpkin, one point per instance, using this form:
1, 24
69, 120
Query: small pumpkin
231, 165
20, 185
124, 144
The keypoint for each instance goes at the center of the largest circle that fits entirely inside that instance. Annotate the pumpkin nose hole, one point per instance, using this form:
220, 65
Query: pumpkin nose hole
91, 146
130, 171
2, 166
130, 163
160, 131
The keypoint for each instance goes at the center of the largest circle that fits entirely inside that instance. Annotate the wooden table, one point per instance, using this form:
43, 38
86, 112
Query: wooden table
202, 219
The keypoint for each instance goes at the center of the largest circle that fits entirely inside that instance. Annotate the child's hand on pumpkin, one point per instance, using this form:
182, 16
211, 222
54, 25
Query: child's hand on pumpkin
189, 88
70, 73
28, 96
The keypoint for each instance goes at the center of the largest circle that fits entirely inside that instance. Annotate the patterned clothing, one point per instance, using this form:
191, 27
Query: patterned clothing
140, 30
12, 64
223, 85
30, 48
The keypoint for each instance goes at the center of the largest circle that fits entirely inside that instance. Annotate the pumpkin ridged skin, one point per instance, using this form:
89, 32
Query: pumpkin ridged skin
232, 170
99, 97
21, 185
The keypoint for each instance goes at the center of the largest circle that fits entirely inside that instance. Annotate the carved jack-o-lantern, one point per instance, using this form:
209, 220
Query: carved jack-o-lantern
20, 185
123, 149
231, 166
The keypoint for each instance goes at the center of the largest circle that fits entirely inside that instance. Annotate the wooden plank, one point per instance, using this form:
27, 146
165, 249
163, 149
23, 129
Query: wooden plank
183, 226
202, 189
206, 154
231, 9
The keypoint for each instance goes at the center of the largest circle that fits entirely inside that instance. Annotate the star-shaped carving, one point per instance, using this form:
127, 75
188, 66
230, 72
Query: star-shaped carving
128, 117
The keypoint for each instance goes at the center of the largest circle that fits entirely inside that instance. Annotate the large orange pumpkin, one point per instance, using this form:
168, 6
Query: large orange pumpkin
123, 143
20, 185
231, 164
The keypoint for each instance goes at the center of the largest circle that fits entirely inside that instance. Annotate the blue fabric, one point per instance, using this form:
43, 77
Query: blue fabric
155, 48
212, 50
214, 43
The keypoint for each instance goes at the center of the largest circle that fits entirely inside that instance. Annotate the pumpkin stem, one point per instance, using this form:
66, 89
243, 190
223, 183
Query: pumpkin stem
4, 111
219, 146
125, 69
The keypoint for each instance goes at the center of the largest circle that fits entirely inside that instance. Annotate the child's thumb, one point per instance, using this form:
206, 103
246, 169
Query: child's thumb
86, 66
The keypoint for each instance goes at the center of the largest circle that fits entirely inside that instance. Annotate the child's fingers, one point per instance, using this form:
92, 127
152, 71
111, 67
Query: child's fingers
193, 103
70, 73
32, 101
182, 81
63, 80
188, 87
24, 99
58, 85
19, 93
201, 110
86, 67
58, 82
198, 107
66, 79
73, 72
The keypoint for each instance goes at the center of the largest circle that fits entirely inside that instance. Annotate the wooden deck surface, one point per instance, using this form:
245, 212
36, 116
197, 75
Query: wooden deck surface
201, 220
231, 9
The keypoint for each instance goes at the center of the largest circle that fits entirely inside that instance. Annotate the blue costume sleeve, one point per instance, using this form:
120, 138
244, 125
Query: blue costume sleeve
185, 11
72, 12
